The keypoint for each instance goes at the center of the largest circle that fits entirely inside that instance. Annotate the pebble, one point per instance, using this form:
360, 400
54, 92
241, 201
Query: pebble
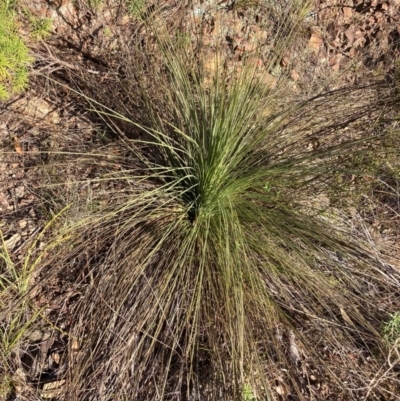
20, 191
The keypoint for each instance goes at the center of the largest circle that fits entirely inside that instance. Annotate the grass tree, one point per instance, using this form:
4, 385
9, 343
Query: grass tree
220, 255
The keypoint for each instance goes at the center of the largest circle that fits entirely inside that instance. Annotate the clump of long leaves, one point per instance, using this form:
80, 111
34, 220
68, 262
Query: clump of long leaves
207, 269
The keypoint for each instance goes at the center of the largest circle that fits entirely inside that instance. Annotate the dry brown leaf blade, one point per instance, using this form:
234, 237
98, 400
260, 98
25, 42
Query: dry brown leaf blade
17, 146
53, 389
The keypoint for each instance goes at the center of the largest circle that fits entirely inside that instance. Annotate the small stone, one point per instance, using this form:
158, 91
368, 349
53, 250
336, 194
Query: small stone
3, 200
280, 390
19, 379
22, 224
20, 191
36, 335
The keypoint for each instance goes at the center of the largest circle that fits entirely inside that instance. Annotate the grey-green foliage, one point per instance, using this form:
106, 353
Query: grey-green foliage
136, 7
216, 242
95, 3
248, 393
40, 27
391, 330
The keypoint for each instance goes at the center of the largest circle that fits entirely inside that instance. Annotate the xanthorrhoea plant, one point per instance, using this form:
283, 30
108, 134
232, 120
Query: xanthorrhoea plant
214, 253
